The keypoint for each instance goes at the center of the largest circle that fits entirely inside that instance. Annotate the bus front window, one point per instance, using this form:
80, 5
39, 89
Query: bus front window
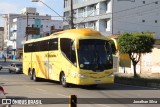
95, 54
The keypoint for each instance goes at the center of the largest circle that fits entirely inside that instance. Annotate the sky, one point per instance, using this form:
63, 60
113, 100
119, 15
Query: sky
15, 6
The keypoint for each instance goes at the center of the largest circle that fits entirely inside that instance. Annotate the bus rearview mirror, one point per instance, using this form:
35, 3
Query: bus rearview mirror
77, 44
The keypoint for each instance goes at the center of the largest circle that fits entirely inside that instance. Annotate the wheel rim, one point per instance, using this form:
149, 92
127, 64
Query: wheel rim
63, 80
30, 75
34, 76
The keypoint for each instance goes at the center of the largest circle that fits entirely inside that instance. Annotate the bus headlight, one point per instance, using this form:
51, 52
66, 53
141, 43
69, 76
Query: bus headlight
81, 76
111, 75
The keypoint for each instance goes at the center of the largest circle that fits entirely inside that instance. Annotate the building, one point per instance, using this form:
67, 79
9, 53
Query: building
115, 16
94, 14
15, 28
1, 41
1, 38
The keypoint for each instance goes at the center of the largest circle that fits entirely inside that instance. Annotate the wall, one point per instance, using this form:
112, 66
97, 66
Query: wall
136, 16
149, 63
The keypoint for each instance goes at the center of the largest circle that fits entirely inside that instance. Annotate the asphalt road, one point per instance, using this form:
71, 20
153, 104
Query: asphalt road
19, 86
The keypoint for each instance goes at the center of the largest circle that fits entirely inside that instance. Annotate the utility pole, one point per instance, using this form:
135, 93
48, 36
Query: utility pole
71, 15
27, 27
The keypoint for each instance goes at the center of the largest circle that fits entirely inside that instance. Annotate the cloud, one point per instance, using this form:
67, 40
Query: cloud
8, 8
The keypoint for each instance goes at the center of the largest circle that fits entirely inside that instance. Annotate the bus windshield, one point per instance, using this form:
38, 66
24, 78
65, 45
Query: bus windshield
95, 55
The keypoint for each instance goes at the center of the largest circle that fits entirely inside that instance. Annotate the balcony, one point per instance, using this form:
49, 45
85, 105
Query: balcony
13, 29
12, 38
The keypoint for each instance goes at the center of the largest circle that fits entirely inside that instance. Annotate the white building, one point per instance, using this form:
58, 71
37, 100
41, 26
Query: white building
1, 38
15, 27
115, 16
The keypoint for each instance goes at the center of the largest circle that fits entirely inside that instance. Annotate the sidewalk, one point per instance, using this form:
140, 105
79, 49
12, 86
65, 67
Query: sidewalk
149, 75
11, 60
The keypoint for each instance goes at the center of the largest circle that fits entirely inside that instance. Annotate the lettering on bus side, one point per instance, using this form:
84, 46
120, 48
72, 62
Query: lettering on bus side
50, 55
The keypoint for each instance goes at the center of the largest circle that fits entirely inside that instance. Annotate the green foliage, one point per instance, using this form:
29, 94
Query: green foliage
136, 42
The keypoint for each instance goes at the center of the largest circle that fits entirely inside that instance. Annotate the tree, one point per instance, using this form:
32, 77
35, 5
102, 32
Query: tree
135, 44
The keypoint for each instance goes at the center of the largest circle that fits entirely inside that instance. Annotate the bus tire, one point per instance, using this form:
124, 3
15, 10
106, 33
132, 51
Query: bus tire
93, 86
9, 71
63, 80
34, 75
30, 74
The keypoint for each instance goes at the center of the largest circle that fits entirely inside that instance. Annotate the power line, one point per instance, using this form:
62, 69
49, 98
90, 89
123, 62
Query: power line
138, 24
139, 13
156, 2
54, 11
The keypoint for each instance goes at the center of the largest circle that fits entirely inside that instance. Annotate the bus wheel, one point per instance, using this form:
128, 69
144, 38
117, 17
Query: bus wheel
93, 86
63, 80
34, 76
9, 71
30, 75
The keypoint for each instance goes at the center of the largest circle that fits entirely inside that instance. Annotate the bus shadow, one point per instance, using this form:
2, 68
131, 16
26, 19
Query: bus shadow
103, 87
120, 87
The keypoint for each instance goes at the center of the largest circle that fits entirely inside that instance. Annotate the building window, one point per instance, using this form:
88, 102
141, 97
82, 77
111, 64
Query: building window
41, 26
144, 2
156, 21
143, 21
32, 25
52, 27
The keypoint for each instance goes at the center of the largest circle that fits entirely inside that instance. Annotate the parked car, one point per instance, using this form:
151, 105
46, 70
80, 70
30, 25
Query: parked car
15, 67
2, 96
1, 67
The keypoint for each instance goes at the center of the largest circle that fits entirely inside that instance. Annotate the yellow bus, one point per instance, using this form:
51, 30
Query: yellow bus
77, 56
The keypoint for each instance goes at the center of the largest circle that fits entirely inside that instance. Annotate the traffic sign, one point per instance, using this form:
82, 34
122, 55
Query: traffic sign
31, 30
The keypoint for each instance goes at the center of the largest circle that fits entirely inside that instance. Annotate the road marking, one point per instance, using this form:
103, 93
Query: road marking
103, 105
63, 95
41, 89
36, 88
27, 86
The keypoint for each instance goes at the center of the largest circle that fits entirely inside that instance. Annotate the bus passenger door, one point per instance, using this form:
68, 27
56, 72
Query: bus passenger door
68, 59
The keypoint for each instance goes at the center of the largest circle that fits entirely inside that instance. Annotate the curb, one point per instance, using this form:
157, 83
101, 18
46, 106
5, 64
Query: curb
131, 81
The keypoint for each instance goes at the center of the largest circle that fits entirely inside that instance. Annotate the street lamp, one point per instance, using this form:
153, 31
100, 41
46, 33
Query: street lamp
71, 12
47, 6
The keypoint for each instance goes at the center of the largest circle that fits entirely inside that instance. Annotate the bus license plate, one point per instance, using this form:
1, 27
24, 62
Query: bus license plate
97, 80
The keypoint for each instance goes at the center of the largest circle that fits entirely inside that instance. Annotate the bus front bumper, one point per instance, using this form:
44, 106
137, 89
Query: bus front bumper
92, 81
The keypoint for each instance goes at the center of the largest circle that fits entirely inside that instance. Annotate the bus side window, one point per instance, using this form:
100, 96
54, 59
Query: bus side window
25, 48
44, 45
53, 44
